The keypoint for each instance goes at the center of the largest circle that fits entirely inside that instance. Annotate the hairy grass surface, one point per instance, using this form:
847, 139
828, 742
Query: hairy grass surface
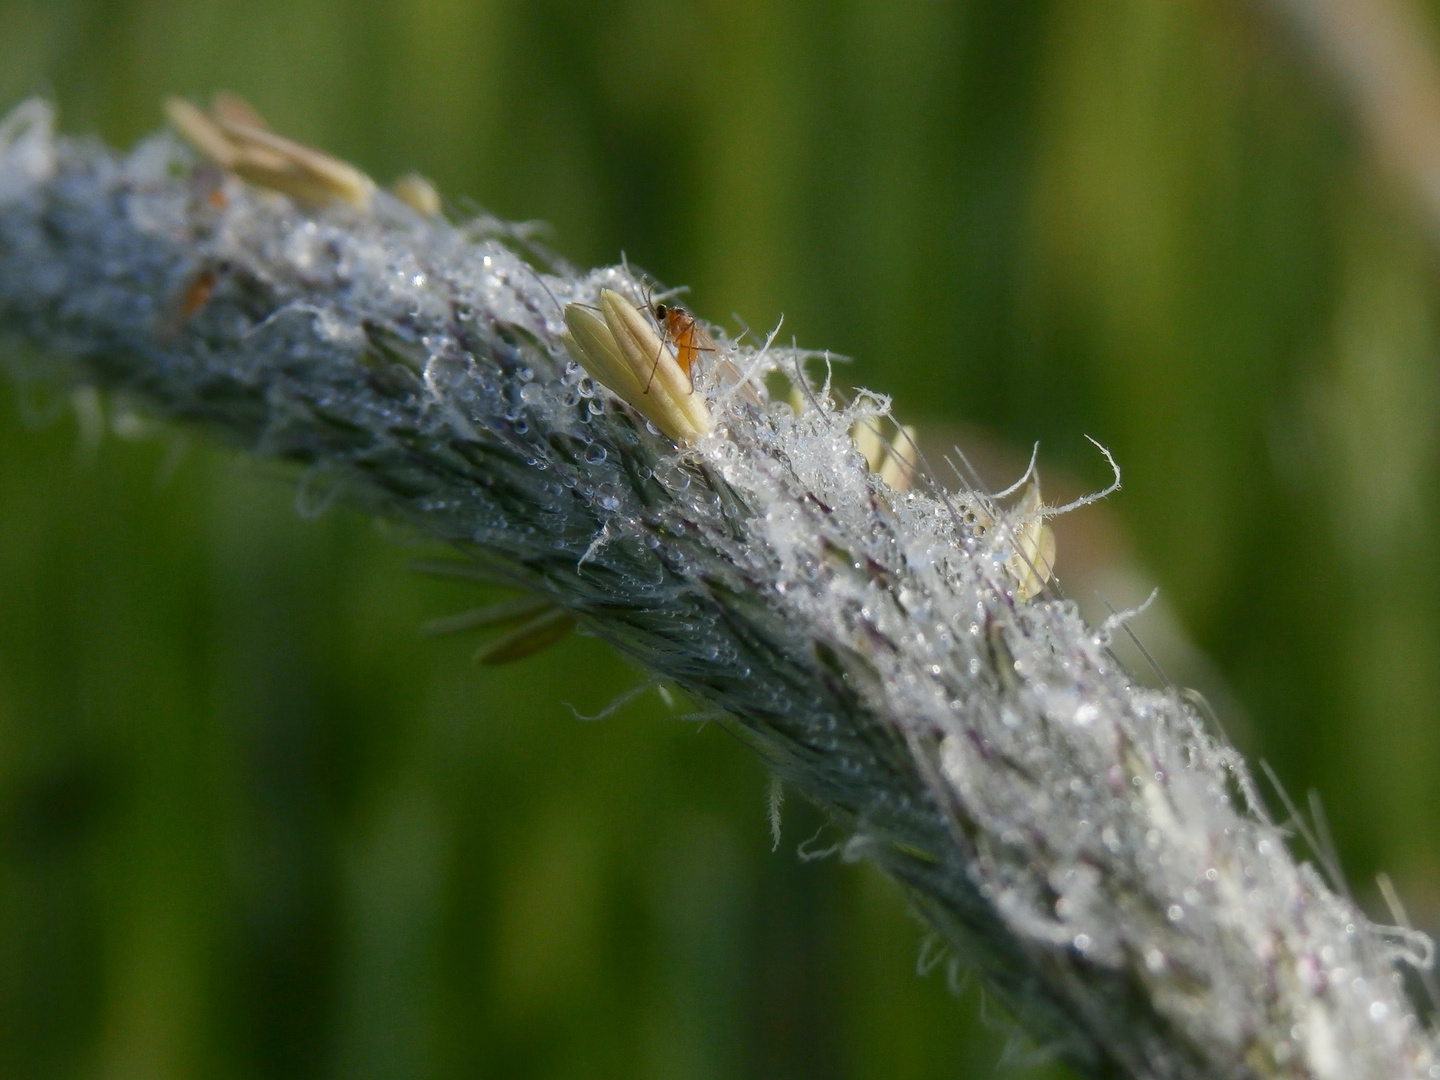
1084, 842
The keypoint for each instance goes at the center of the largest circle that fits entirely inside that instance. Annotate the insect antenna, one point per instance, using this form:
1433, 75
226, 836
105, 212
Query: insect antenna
657, 313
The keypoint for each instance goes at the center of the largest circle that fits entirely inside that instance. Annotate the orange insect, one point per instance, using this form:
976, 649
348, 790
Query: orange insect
680, 329
187, 302
196, 295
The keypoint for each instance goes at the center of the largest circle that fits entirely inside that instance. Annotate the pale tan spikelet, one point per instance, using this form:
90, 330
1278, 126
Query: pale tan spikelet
295, 169
893, 461
865, 434
228, 106
418, 193
1034, 558
901, 459
201, 132
620, 348
593, 346
235, 137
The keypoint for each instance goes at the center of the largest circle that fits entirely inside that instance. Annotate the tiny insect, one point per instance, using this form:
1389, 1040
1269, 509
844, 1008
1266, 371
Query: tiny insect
187, 302
196, 295
681, 330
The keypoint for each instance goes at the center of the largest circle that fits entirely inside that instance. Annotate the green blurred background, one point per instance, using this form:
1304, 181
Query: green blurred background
252, 824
